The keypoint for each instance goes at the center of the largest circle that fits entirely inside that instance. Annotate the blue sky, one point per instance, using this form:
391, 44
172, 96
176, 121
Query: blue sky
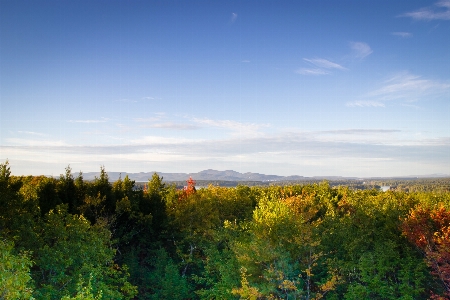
350, 88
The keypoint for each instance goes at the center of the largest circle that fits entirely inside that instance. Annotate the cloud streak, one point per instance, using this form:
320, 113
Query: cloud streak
405, 88
439, 11
363, 103
32, 133
126, 101
171, 126
323, 63
306, 71
321, 67
34, 142
408, 86
360, 49
237, 128
402, 34
233, 17
102, 120
303, 153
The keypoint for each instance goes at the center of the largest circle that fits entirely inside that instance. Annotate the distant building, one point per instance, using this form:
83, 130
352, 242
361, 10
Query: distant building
385, 188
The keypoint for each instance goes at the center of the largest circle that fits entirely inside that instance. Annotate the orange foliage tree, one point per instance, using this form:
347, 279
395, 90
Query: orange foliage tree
429, 230
187, 190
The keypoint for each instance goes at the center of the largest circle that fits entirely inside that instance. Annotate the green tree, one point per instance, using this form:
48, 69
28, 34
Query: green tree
278, 252
47, 193
67, 190
84, 292
165, 280
102, 186
18, 214
15, 279
193, 220
154, 202
72, 247
361, 239
221, 271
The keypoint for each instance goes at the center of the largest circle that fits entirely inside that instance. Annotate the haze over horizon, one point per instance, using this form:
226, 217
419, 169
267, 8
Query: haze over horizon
309, 88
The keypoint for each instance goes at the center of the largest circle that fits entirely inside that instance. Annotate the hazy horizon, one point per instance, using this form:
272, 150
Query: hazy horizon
308, 88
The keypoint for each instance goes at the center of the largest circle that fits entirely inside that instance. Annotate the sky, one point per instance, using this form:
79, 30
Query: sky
311, 88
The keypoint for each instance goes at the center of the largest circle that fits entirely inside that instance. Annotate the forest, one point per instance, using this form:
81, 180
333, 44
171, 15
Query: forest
69, 238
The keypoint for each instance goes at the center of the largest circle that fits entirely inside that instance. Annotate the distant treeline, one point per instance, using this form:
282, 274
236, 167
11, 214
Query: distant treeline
407, 184
68, 238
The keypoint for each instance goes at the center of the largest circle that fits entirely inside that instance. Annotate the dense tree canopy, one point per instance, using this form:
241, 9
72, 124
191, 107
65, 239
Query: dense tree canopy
67, 238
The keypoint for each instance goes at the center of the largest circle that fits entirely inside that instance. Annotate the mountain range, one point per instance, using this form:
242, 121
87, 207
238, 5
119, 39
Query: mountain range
230, 175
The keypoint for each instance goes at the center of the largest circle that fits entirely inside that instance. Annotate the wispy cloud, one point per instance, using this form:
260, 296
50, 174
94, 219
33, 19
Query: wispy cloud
153, 140
360, 131
323, 63
146, 120
408, 86
148, 98
439, 11
360, 49
245, 61
172, 126
102, 120
404, 88
32, 133
34, 143
348, 152
156, 118
126, 101
362, 103
410, 105
160, 120
249, 129
316, 71
402, 34
321, 67
233, 17
362, 136
94, 132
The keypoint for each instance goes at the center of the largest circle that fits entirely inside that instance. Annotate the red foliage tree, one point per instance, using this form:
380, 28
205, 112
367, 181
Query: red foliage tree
429, 230
145, 190
188, 190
